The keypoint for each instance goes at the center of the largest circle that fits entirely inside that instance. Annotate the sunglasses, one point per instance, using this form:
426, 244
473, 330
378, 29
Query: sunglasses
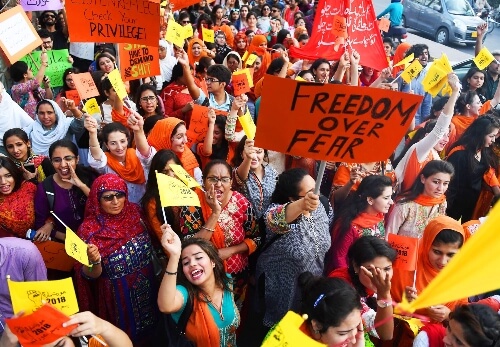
274, 10
110, 197
49, 16
186, 22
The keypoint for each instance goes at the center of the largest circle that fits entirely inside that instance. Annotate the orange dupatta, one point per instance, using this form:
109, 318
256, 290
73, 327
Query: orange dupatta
132, 171
201, 327
192, 59
366, 220
426, 200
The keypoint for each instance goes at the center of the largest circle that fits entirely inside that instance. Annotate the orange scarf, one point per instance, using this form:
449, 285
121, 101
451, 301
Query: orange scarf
160, 138
201, 327
121, 118
426, 200
455, 149
399, 55
461, 124
132, 171
366, 220
192, 59
261, 52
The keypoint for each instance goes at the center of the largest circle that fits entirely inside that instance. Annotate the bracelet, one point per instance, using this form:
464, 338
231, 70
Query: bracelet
208, 229
97, 262
94, 146
170, 273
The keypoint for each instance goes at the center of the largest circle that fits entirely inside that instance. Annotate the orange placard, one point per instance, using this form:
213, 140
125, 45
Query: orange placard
384, 24
54, 255
85, 85
138, 61
17, 35
180, 4
241, 84
198, 125
343, 123
135, 21
339, 26
73, 95
41, 327
407, 248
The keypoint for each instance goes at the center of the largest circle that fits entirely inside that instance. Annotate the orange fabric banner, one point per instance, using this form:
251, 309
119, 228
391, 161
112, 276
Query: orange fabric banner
331, 121
180, 4
138, 61
407, 248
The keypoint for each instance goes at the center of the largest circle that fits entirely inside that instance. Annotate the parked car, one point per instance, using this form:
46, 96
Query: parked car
448, 21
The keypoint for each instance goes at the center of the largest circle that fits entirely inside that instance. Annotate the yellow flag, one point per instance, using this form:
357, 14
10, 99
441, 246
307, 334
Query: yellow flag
473, 270
91, 106
298, 78
251, 59
175, 33
287, 333
30, 296
116, 81
173, 192
411, 71
248, 125
184, 176
406, 60
433, 76
245, 56
247, 72
75, 247
444, 63
187, 31
434, 91
483, 58
208, 35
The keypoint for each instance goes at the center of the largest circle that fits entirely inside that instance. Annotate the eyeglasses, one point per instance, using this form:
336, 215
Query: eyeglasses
67, 159
186, 22
274, 10
110, 197
215, 180
266, 9
49, 16
211, 80
150, 98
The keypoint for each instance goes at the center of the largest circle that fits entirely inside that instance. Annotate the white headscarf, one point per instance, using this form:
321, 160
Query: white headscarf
41, 138
11, 114
224, 62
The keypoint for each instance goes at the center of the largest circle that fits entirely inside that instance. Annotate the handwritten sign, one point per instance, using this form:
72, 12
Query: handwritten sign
339, 26
30, 296
198, 125
54, 256
114, 21
17, 35
91, 107
76, 248
83, 50
40, 328
138, 61
241, 84
73, 95
343, 123
384, 24
248, 125
58, 63
117, 83
85, 85
483, 58
184, 176
174, 192
407, 248
41, 5
208, 34
411, 71
175, 33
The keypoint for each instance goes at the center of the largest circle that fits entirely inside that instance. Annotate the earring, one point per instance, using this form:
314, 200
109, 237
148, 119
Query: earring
316, 332
213, 264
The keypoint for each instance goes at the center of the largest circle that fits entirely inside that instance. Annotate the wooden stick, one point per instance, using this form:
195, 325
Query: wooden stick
34, 62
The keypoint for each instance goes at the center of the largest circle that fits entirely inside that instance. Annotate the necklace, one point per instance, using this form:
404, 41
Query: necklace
478, 156
215, 306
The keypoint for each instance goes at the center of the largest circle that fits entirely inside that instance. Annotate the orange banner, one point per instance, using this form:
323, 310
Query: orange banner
180, 4
135, 21
54, 255
138, 61
332, 121
41, 327
407, 248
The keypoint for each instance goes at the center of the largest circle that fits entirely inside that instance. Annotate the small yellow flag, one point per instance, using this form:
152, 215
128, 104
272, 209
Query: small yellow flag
444, 63
483, 58
248, 125
188, 31
175, 33
411, 71
406, 60
116, 81
434, 91
433, 76
184, 176
76, 248
245, 56
208, 35
174, 192
91, 106
250, 59
30, 296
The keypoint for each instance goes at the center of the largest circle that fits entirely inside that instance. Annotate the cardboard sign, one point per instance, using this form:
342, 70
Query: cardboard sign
175, 33
248, 125
30, 296
208, 35
248, 72
54, 256
411, 71
58, 63
174, 192
117, 83
138, 61
114, 21
184, 176
384, 24
180, 4
339, 26
241, 85
41, 5
483, 58
41, 327
83, 50
407, 248
198, 125
85, 85
73, 95
76, 248
343, 123
91, 107
17, 35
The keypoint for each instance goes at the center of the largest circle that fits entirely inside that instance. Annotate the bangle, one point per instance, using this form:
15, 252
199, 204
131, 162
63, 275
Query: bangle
97, 262
208, 229
170, 273
94, 146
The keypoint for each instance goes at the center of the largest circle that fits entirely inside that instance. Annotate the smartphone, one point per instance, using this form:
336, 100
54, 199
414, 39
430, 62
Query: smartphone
30, 167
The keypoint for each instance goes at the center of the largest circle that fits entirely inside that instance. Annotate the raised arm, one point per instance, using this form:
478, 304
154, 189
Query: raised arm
136, 123
193, 89
91, 125
248, 153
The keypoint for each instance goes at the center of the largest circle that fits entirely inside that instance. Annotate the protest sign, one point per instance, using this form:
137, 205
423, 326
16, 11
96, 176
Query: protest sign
83, 50
30, 296
198, 125
58, 63
241, 84
54, 255
138, 61
174, 192
339, 26
41, 5
248, 125
42, 327
483, 58
85, 85
75, 247
251, 59
17, 35
91, 107
180, 4
407, 248
73, 95
175, 33
384, 24
208, 34
117, 83
184, 176
343, 123
411, 71
248, 72
114, 21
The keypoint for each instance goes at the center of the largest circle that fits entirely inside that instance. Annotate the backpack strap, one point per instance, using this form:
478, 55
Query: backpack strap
48, 186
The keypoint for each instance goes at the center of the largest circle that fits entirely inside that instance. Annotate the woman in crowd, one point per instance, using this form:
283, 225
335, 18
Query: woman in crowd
425, 200
362, 214
215, 145
69, 186
176, 98
240, 43
196, 50
333, 310
234, 15
203, 288
221, 47
241, 23
105, 62
114, 109
367, 76
17, 201
51, 124
264, 21
473, 81
443, 237
119, 286
68, 85
297, 239
252, 23
475, 164
217, 15
252, 178
232, 61
170, 133
131, 165
320, 69
370, 273
148, 101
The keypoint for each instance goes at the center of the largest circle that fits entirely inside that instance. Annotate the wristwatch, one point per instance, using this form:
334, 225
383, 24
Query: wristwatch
384, 303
